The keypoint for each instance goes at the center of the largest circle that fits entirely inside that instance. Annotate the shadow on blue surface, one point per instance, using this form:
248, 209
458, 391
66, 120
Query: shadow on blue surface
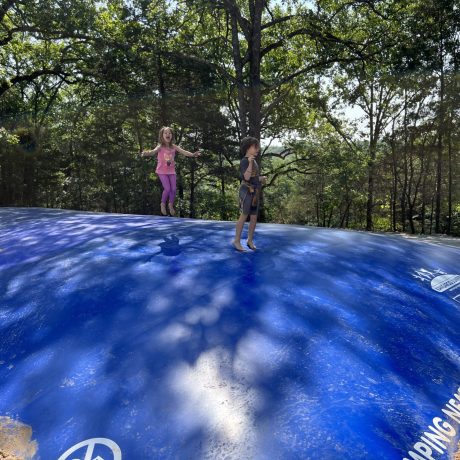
155, 333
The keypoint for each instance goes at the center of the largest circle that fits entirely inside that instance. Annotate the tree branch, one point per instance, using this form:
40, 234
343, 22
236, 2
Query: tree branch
5, 85
5, 7
286, 171
277, 21
204, 62
234, 11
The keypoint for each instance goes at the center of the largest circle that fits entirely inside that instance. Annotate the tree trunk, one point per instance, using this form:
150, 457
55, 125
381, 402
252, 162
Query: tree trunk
161, 86
180, 193
237, 62
249, 91
440, 137
405, 170
394, 188
255, 99
370, 164
450, 183
192, 190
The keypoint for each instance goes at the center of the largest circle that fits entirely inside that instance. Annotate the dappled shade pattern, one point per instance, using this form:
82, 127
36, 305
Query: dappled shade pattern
153, 332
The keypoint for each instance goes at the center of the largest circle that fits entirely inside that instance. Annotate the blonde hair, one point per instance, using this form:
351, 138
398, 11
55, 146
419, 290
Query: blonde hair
160, 136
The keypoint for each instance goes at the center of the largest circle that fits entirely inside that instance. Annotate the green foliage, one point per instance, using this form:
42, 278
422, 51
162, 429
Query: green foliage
85, 87
7, 138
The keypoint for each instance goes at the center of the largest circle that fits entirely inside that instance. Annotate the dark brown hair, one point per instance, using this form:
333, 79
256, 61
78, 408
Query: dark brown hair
246, 143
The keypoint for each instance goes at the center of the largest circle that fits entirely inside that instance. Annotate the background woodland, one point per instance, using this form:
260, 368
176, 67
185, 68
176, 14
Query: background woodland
357, 104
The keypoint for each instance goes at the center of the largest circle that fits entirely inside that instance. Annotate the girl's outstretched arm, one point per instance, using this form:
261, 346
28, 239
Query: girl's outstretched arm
151, 153
185, 152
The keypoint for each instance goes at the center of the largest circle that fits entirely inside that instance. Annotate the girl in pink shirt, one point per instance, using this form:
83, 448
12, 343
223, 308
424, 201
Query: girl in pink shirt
166, 152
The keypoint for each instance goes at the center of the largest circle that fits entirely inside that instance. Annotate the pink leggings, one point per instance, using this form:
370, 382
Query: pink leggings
168, 181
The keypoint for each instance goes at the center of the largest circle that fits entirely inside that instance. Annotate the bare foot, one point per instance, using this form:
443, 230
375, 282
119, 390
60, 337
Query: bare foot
251, 245
163, 209
237, 246
172, 210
